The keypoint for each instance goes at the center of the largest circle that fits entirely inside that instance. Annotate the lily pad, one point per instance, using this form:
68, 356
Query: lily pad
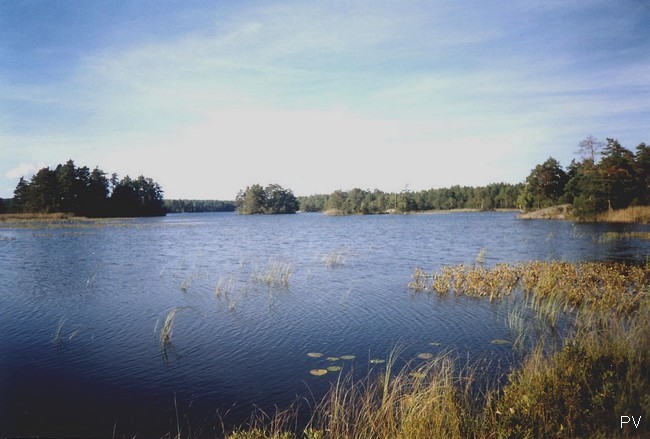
318, 372
348, 357
425, 356
377, 361
314, 354
500, 341
435, 343
333, 358
334, 368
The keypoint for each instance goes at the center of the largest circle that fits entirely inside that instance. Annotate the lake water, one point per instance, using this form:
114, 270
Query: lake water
83, 307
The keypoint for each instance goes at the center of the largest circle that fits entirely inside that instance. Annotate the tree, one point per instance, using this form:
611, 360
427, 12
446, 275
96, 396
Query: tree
280, 200
586, 190
251, 201
139, 197
590, 147
642, 159
618, 170
546, 183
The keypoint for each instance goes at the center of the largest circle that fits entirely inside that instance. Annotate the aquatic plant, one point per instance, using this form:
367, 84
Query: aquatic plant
593, 284
167, 328
633, 214
224, 287
276, 273
618, 236
318, 372
57, 338
336, 258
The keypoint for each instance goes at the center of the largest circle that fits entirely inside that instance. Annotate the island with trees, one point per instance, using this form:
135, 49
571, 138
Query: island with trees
272, 199
82, 192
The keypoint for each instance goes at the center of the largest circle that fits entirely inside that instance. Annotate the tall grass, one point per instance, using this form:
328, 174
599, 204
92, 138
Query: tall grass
633, 214
578, 387
276, 273
167, 329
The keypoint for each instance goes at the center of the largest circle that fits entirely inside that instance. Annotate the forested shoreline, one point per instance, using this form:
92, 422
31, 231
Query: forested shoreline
82, 192
608, 177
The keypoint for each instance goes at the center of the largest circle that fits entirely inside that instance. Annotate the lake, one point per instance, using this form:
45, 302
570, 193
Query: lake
84, 304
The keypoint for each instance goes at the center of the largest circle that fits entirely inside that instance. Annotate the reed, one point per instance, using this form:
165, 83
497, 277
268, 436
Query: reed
167, 329
57, 338
618, 236
574, 388
634, 214
566, 285
422, 402
276, 273
336, 258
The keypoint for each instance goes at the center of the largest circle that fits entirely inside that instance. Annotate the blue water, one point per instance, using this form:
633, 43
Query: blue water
83, 306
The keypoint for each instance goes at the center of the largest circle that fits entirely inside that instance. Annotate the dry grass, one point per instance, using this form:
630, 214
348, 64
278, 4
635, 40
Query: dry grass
635, 214
576, 388
600, 285
36, 216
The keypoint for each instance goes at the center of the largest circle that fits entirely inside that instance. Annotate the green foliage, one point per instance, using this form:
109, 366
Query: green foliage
273, 199
618, 180
191, 206
364, 202
546, 183
79, 191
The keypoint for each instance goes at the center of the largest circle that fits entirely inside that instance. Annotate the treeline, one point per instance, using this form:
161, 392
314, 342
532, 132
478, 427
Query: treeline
80, 191
272, 199
194, 206
359, 201
608, 177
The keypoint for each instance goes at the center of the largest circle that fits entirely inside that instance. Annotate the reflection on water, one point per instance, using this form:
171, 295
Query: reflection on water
84, 308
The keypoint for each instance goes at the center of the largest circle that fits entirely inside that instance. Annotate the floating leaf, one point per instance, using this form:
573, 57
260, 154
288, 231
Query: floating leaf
425, 356
435, 343
334, 368
318, 372
377, 361
314, 354
333, 358
348, 357
500, 341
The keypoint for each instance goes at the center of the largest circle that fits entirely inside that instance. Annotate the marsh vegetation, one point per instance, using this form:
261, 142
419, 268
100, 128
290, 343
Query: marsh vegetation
575, 388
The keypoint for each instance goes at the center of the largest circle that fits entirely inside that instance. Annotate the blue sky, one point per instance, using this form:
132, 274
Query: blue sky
207, 97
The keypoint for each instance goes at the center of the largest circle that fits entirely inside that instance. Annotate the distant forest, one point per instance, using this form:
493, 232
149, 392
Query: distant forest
607, 177
359, 201
194, 206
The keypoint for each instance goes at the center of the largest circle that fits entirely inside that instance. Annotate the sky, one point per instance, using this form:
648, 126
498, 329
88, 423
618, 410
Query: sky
208, 97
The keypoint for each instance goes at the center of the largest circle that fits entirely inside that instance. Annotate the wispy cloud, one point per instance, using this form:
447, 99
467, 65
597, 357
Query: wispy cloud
354, 83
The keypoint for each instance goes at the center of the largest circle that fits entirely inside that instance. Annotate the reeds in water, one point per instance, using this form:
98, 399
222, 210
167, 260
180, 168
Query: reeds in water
167, 329
276, 273
602, 285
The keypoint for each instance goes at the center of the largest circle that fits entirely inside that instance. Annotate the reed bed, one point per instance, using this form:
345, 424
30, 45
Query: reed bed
634, 214
618, 236
276, 273
594, 284
576, 388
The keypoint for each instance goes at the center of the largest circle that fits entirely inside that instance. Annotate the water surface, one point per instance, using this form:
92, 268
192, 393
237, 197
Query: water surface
83, 306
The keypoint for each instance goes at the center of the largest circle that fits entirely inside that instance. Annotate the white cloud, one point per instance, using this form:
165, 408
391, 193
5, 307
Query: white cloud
23, 170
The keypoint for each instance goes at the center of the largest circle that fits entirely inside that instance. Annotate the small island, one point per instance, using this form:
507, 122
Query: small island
78, 191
